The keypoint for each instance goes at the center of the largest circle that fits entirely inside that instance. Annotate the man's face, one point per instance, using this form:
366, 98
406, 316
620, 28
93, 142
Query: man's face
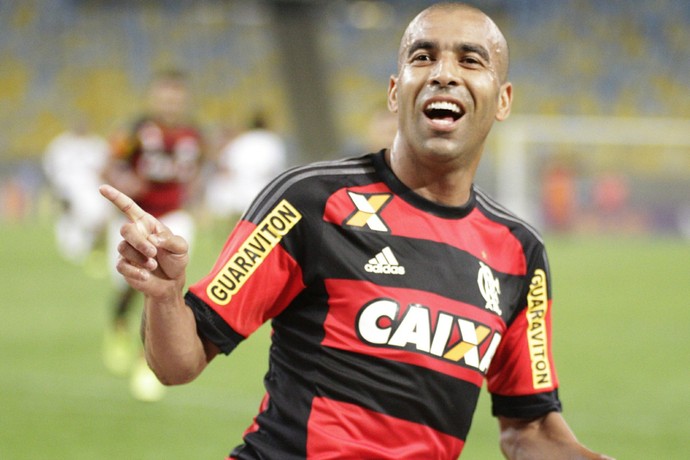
448, 90
168, 100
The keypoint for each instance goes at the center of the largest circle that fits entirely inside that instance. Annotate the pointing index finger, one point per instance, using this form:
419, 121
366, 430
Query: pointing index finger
124, 203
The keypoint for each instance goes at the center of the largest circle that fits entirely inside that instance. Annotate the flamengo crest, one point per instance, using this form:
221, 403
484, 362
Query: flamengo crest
490, 288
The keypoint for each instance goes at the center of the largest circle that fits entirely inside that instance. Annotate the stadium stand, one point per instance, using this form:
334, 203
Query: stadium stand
568, 58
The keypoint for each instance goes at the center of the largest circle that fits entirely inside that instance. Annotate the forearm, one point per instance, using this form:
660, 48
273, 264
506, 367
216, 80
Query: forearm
154, 261
174, 350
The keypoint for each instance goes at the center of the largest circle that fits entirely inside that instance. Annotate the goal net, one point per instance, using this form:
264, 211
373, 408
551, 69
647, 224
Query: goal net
592, 174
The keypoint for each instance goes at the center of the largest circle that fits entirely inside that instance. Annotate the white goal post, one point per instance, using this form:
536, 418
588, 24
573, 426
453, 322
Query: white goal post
514, 138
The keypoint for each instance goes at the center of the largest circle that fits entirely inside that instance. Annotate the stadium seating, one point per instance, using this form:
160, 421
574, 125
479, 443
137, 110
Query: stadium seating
95, 57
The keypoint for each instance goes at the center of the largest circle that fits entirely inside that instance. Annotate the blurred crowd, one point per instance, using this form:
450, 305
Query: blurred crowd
70, 62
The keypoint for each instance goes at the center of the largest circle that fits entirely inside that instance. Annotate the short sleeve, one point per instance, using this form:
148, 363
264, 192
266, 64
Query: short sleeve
522, 377
253, 280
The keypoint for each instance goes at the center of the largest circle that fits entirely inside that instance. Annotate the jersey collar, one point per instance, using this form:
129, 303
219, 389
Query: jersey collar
416, 200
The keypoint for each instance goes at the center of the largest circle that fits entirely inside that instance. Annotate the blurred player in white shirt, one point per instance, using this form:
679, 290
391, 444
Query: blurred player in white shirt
245, 165
73, 164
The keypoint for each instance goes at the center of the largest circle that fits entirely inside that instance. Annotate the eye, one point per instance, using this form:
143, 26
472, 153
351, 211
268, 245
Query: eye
471, 60
421, 57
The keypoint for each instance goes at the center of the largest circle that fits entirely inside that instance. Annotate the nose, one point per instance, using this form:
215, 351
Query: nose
445, 73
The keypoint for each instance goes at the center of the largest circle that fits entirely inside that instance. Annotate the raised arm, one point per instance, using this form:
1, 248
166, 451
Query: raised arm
545, 438
154, 261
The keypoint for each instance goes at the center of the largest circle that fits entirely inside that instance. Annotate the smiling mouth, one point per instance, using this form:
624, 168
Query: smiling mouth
444, 111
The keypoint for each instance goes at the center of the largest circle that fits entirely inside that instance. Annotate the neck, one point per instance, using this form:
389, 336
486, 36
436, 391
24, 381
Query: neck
444, 182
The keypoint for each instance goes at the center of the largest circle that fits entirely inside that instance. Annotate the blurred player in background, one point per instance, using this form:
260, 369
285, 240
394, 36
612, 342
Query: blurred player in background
157, 162
244, 166
73, 164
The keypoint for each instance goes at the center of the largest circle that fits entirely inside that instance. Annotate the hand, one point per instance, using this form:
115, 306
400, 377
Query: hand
152, 259
547, 437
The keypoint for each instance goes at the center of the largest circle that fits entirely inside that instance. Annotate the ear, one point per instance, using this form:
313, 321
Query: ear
393, 94
505, 101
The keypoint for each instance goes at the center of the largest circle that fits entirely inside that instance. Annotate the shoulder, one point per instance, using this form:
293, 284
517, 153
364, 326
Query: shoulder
309, 185
192, 128
141, 122
498, 213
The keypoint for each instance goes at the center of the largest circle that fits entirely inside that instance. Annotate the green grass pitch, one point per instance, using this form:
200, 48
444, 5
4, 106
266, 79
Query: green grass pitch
621, 327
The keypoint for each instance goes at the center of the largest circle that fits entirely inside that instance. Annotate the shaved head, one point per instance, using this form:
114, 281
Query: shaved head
499, 49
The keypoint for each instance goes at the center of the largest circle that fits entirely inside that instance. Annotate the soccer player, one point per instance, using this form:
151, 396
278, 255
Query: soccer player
156, 163
244, 166
73, 163
394, 285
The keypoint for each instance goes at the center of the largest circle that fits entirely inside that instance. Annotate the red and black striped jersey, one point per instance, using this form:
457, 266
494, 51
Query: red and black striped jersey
165, 157
388, 312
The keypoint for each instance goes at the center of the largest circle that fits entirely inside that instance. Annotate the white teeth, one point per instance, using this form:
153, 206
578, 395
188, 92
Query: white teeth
444, 105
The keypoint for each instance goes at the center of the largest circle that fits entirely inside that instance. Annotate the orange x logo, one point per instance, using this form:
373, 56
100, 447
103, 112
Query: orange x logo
368, 206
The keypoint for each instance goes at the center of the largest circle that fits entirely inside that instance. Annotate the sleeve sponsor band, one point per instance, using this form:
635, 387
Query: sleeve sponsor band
258, 245
537, 306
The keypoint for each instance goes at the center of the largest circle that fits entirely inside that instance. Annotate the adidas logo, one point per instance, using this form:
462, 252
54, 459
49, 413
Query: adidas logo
385, 262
